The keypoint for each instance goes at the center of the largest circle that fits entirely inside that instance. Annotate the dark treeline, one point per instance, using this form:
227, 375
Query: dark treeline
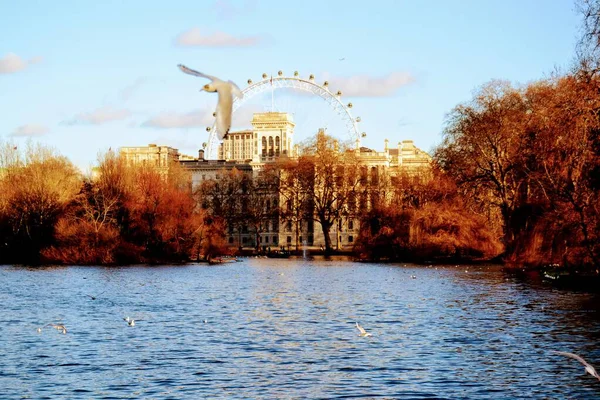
49, 213
531, 156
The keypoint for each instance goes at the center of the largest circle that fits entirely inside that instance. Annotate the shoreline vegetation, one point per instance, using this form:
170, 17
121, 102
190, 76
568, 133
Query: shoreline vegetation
515, 180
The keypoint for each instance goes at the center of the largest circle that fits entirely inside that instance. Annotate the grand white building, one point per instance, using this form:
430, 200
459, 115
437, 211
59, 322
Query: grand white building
272, 136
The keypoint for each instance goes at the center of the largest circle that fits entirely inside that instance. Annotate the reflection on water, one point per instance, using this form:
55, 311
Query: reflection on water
286, 329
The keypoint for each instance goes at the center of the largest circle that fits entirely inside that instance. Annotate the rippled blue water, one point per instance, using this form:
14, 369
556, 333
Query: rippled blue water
285, 329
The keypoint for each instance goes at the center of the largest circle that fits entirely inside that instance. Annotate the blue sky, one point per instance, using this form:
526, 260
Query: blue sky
85, 76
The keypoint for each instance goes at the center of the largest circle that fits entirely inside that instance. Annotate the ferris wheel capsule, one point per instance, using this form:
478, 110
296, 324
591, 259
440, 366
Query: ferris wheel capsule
364, 134
326, 83
311, 77
264, 76
204, 145
339, 93
357, 119
215, 114
296, 73
249, 81
280, 73
208, 129
349, 105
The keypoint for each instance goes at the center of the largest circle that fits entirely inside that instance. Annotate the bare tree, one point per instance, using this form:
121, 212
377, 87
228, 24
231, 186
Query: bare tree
328, 175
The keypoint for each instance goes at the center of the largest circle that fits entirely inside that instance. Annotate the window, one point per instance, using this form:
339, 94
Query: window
350, 239
350, 225
289, 239
274, 239
230, 239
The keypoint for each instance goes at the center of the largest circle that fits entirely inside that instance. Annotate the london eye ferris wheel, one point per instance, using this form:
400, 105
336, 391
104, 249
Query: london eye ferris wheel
303, 98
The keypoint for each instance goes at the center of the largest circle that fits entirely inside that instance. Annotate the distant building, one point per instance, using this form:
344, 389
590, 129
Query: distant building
272, 136
152, 155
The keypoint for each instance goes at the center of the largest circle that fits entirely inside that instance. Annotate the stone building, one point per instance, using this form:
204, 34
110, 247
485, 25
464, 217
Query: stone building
272, 136
154, 155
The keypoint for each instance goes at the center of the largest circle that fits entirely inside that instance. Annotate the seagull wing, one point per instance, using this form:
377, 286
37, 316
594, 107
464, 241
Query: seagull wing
360, 328
236, 90
573, 356
190, 71
224, 108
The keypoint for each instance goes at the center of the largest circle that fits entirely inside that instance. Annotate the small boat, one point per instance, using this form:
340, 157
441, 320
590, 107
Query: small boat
279, 254
222, 260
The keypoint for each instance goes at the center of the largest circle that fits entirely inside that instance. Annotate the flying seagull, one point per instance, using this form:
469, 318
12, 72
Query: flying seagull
226, 91
362, 331
59, 327
588, 368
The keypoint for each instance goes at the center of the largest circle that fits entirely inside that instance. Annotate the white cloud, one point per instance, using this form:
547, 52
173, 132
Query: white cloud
369, 86
100, 116
169, 120
29, 130
194, 37
12, 63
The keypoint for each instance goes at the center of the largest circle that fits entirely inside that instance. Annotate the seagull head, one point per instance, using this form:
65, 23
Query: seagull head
209, 88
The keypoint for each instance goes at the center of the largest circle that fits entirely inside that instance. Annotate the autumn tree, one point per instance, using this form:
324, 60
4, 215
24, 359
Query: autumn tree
328, 174
222, 197
260, 201
37, 185
295, 200
563, 160
483, 143
588, 47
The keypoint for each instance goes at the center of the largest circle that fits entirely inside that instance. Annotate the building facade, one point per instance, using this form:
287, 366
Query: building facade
271, 137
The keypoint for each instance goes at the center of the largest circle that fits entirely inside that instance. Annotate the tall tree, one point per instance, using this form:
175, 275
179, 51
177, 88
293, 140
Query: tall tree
37, 185
329, 176
482, 145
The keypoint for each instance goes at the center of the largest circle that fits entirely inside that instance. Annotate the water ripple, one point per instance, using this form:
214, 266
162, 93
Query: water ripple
286, 329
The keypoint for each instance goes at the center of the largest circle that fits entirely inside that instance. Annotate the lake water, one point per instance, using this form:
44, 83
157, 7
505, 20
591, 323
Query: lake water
286, 329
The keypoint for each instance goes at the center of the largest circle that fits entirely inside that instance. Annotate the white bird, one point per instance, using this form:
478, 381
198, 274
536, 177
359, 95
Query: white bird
362, 331
226, 91
130, 321
59, 327
588, 368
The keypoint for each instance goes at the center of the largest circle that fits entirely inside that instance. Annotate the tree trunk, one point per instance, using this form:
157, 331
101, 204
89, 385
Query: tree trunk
326, 227
297, 234
507, 229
